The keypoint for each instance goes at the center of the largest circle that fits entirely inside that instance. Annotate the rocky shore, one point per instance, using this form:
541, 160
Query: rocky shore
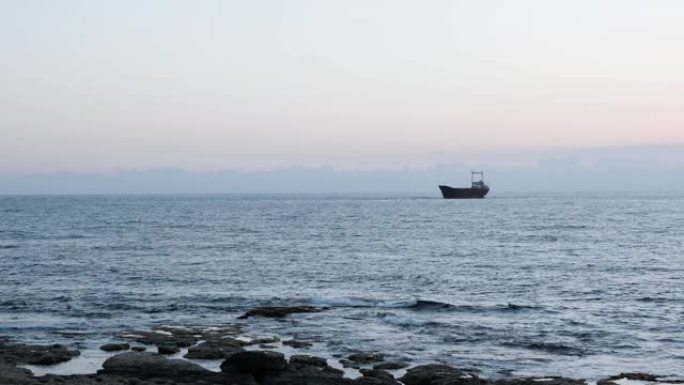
245, 361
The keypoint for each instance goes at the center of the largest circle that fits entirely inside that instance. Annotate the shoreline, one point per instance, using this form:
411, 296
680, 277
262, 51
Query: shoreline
180, 355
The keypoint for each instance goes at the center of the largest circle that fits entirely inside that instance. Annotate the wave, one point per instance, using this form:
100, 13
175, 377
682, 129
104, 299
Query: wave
414, 305
14, 305
657, 299
421, 305
548, 347
404, 320
344, 302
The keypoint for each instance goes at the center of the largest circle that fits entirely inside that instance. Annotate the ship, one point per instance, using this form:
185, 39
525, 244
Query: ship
477, 190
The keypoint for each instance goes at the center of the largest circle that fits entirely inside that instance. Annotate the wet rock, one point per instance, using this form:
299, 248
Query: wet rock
114, 347
182, 337
436, 374
35, 354
305, 366
162, 337
375, 377
374, 373
349, 363
637, 376
540, 380
168, 349
297, 344
305, 370
263, 340
254, 362
279, 312
9, 374
150, 365
366, 358
215, 349
333, 371
296, 378
306, 360
391, 366
138, 349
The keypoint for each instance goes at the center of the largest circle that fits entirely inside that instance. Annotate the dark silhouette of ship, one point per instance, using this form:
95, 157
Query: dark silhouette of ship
478, 188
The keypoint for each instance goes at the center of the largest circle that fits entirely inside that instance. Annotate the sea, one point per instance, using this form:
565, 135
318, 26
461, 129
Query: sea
579, 285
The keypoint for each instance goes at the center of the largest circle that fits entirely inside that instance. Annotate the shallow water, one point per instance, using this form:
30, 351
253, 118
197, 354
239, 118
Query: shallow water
583, 286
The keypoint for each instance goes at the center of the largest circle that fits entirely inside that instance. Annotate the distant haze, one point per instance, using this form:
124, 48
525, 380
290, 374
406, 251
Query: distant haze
356, 87
651, 169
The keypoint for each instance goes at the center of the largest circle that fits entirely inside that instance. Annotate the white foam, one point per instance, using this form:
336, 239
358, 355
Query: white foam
625, 381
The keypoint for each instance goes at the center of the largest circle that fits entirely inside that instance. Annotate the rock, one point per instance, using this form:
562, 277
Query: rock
333, 371
264, 340
114, 347
254, 362
306, 360
150, 365
306, 366
279, 312
436, 374
304, 370
182, 337
380, 374
540, 380
636, 376
375, 377
297, 378
349, 363
35, 354
297, 344
391, 366
366, 358
11, 375
215, 349
163, 337
138, 349
168, 349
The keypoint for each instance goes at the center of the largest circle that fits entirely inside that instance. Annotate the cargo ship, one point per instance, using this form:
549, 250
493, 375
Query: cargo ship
477, 190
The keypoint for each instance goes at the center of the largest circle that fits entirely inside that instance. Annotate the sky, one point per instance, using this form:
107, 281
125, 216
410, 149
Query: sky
104, 86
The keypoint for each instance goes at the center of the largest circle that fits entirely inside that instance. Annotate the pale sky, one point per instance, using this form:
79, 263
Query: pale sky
97, 86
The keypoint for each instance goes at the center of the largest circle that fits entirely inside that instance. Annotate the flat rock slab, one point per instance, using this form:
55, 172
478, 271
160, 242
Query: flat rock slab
254, 362
105, 379
366, 358
378, 374
148, 364
36, 354
278, 311
298, 344
168, 349
541, 381
215, 349
290, 378
637, 376
181, 337
436, 374
307, 360
115, 347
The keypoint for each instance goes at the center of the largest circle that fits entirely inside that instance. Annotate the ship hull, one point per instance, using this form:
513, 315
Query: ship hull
463, 193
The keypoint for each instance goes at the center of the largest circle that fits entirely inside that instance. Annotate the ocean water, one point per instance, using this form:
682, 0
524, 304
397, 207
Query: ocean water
579, 285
